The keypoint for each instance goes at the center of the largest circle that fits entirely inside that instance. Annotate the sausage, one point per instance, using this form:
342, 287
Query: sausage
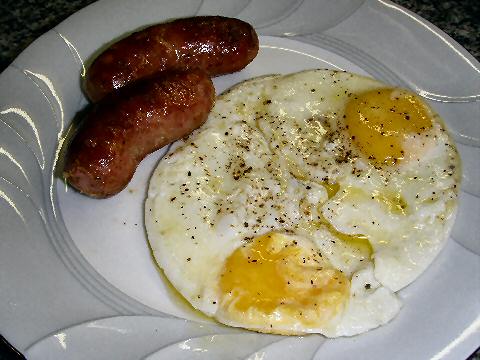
127, 125
215, 44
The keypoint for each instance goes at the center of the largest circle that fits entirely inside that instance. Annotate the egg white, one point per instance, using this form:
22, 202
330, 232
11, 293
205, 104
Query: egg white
263, 162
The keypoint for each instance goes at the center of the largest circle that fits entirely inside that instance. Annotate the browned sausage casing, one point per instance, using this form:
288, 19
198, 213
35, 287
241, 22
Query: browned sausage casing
123, 128
215, 44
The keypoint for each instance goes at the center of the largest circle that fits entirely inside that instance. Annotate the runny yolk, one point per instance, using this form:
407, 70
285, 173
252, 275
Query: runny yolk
275, 274
379, 120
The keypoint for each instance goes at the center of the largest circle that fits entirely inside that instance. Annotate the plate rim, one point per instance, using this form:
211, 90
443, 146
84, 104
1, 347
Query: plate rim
93, 6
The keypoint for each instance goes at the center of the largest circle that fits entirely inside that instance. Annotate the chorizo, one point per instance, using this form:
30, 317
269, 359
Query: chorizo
127, 125
214, 44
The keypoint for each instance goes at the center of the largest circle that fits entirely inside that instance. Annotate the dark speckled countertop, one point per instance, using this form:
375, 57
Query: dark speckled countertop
22, 21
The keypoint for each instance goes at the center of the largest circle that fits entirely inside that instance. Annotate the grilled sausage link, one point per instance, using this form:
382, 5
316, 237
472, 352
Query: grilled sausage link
126, 126
215, 44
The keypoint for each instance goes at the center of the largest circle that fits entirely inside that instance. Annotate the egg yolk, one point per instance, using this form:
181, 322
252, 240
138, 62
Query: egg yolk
275, 277
379, 120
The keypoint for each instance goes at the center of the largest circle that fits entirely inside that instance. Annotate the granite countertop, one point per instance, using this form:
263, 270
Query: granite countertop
22, 21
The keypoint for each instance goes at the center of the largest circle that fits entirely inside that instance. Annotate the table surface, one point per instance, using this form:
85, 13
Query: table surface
22, 21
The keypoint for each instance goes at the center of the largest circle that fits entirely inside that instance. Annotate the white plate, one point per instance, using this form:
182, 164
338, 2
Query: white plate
76, 277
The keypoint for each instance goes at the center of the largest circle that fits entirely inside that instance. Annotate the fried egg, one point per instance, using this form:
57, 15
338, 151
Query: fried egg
304, 203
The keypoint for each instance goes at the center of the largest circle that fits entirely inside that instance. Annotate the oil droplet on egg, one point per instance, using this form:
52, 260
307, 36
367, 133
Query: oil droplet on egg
394, 202
359, 242
332, 189
275, 277
379, 120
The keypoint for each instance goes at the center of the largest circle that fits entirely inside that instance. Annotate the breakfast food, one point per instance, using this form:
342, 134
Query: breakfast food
121, 130
169, 94
215, 44
304, 203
